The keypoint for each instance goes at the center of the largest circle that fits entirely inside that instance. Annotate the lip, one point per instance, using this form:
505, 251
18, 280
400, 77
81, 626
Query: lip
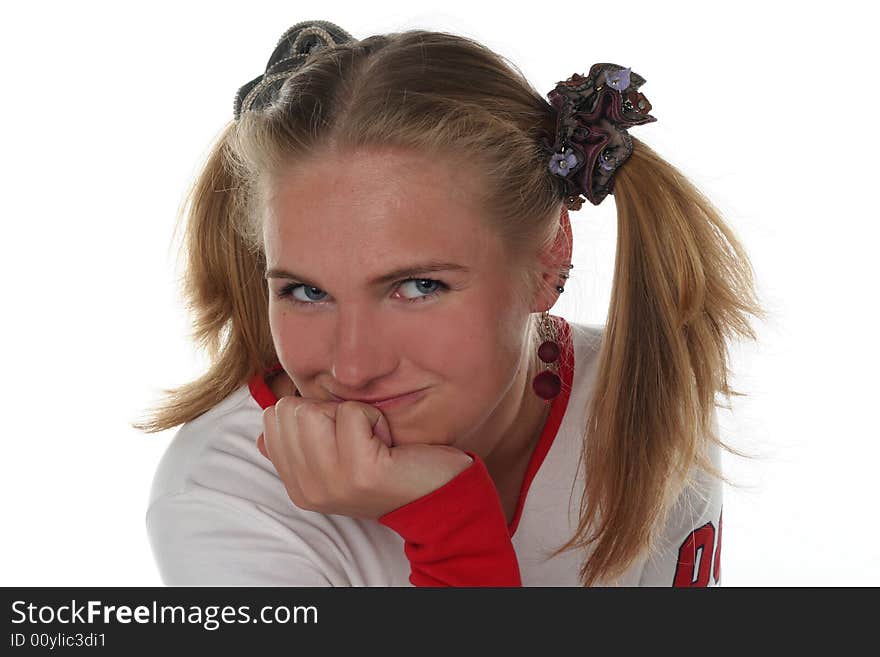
391, 402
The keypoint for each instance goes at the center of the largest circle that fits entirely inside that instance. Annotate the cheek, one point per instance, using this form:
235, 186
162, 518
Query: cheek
289, 334
444, 346
279, 327
474, 357
472, 349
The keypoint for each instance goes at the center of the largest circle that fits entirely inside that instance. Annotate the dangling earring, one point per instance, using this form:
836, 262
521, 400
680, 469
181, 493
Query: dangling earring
547, 383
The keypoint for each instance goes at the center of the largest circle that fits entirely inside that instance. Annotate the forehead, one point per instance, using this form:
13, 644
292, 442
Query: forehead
374, 204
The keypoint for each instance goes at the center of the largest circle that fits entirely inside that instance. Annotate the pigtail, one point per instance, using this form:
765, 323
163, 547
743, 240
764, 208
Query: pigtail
682, 286
224, 291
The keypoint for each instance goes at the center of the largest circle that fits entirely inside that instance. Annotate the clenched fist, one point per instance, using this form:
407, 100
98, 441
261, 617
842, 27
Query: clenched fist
337, 457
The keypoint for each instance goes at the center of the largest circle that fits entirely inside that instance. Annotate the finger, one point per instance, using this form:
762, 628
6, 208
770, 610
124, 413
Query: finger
261, 446
382, 430
357, 445
378, 423
306, 430
268, 432
276, 452
268, 424
316, 424
283, 435
272, 439
289, 407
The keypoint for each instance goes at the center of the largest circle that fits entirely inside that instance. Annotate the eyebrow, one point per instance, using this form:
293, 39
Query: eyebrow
399, 273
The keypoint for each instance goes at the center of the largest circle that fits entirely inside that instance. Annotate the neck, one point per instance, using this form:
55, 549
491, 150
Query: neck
508, 457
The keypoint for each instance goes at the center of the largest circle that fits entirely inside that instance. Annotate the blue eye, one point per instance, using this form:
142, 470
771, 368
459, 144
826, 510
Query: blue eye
435, 288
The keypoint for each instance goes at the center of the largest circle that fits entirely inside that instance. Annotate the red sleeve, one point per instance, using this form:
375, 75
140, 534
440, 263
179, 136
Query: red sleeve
457, 535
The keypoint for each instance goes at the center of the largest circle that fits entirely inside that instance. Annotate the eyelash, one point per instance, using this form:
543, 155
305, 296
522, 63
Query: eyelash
286, 292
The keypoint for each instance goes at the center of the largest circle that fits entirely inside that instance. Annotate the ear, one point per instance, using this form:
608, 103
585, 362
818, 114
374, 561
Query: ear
555, 260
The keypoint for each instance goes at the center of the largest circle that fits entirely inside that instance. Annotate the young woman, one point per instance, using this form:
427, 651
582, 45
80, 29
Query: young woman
373, 248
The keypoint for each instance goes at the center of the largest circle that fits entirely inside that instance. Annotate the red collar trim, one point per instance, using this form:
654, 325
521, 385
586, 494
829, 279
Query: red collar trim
260, 390
264, 396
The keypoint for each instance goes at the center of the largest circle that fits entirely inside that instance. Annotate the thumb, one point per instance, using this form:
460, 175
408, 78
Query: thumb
382, 431
377, 421
373, 416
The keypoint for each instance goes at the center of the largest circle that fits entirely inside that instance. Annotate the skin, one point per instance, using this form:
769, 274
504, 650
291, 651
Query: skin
343, 220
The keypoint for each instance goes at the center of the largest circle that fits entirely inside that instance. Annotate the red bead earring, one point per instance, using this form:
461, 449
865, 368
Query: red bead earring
547, 383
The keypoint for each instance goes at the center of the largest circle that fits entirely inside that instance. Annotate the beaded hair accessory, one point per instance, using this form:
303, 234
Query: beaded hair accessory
591, 140
593, 112
291, 52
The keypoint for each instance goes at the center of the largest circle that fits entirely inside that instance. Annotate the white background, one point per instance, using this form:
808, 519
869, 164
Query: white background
108, 110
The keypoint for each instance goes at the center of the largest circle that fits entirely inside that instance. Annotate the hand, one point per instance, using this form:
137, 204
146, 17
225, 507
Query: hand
337, 457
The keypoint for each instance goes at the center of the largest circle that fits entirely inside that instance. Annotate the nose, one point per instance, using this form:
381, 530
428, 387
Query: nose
362, 349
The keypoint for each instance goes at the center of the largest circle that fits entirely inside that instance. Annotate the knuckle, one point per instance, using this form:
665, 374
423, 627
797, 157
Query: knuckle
287, 405
348, 406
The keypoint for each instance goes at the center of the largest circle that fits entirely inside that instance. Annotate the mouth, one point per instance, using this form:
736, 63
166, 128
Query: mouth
402, 400
390, 402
